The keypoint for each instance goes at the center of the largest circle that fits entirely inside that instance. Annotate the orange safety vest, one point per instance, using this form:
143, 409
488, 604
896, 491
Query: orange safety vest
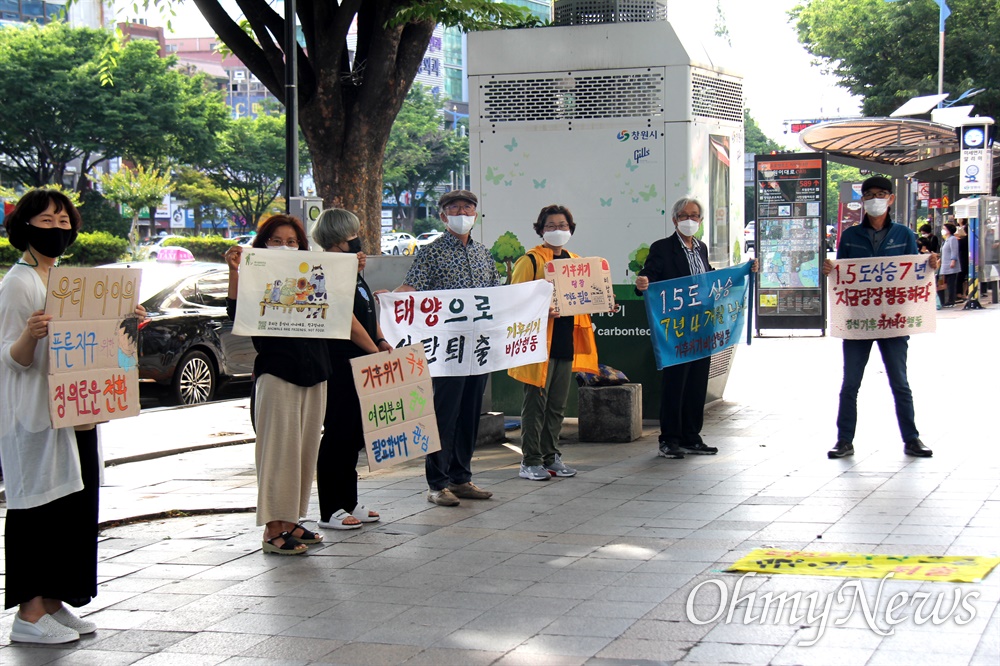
584, 343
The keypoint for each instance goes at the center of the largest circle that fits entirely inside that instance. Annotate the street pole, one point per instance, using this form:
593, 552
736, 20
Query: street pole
291, 106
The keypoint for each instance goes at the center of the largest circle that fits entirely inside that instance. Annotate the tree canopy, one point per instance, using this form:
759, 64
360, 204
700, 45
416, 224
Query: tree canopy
887, 52
249, 165
57, 109
347, 104
420, 155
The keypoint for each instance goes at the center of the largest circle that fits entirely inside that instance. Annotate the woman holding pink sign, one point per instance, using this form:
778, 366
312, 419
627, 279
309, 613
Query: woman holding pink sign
52, 475
572, 348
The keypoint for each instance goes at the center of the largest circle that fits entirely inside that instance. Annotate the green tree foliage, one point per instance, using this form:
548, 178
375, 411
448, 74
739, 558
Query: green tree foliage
99, 215
887, 52
203, 196
249, 165
57, 110
420, 155
136, 188
835, 175
347, 105
505, 251
755, 142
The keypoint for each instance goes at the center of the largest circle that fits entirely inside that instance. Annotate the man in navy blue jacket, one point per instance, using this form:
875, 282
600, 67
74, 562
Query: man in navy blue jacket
876, 236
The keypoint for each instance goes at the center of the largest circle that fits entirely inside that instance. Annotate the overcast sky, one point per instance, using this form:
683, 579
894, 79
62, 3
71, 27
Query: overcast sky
780, 82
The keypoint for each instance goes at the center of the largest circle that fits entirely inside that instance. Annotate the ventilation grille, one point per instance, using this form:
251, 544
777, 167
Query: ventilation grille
588, 12
714, 97
638, 95
720, 363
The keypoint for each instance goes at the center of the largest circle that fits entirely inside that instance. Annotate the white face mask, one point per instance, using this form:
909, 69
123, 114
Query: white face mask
688, 227
461, 224
877, 207
557, 238
281, 247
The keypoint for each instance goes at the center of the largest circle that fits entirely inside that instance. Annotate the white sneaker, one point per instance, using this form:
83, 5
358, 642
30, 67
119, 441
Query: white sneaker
46, 630
533, 472
67, 618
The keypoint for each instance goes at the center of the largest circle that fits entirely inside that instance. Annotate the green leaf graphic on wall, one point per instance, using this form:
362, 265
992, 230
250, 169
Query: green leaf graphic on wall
505, 251
637, 259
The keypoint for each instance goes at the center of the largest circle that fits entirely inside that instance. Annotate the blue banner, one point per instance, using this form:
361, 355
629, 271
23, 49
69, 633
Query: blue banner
697, 316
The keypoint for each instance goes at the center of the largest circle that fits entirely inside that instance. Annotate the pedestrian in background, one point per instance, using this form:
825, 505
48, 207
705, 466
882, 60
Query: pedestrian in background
876, 236
927, 242
454, 261
52, 475
343, 431
951, 264
962, 282
289, 404
572, 348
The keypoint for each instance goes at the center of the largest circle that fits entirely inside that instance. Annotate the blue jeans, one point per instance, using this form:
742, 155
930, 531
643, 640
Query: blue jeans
856, 354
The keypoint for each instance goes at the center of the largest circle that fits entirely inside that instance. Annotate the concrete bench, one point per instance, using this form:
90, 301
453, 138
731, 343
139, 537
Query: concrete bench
610, 413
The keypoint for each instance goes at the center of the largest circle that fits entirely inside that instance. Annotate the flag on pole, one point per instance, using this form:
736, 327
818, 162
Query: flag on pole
944, 13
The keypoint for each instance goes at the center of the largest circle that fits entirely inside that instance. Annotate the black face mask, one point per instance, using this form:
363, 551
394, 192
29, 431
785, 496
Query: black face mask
354, 245
51, 242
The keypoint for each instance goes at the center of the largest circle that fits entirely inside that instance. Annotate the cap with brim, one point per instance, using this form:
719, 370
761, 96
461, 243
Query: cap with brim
457, 195
877, 183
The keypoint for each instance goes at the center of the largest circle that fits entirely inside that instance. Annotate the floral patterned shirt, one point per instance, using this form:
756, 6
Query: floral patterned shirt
448, 264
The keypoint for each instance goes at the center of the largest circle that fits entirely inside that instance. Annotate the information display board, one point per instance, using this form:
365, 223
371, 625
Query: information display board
790, 199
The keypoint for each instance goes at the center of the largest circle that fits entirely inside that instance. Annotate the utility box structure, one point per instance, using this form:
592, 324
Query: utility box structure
616, 121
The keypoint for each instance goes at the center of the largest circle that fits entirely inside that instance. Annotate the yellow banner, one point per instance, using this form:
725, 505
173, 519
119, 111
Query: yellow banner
949, 569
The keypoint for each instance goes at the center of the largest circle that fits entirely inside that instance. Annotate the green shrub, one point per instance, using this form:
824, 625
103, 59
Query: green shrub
204, 248
9, 255
425, 224
89, 250
95, 249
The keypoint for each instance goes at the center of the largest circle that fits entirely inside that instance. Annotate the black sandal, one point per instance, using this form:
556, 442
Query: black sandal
289, 547
307, 537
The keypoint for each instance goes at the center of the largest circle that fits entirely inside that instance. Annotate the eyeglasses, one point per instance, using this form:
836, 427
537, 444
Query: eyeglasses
277, 242
881, 194
461, 208
556, 227
684, 216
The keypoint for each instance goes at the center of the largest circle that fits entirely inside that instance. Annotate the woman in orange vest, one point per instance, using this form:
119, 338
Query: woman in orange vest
572, 348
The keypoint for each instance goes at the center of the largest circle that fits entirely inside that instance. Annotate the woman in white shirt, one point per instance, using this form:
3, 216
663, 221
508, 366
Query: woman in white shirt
51, 474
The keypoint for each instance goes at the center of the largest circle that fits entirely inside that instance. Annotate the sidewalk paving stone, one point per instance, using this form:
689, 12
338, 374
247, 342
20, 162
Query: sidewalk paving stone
600, 569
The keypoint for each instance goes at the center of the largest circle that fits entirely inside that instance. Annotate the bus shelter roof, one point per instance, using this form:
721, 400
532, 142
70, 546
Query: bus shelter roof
899, 147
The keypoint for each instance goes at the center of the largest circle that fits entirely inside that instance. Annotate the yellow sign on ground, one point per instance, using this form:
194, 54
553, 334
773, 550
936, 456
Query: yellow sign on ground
947, 569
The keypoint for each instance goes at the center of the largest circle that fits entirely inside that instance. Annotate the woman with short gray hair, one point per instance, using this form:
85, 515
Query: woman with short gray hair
343, 432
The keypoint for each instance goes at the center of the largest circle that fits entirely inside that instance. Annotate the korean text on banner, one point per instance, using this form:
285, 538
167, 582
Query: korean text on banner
580, 285
93, 344
881, 297
471, 331
696, 316
397, 405
296, 294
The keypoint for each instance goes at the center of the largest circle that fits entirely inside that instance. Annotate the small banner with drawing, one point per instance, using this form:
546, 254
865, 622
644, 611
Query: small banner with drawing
696, 316
471, 331
93, 350
941, 568
296, 294
580, 285
397, 405
881, 297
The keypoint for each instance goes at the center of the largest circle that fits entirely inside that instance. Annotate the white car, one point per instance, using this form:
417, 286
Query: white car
398, 242
748, 235
154, 249
426, 239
